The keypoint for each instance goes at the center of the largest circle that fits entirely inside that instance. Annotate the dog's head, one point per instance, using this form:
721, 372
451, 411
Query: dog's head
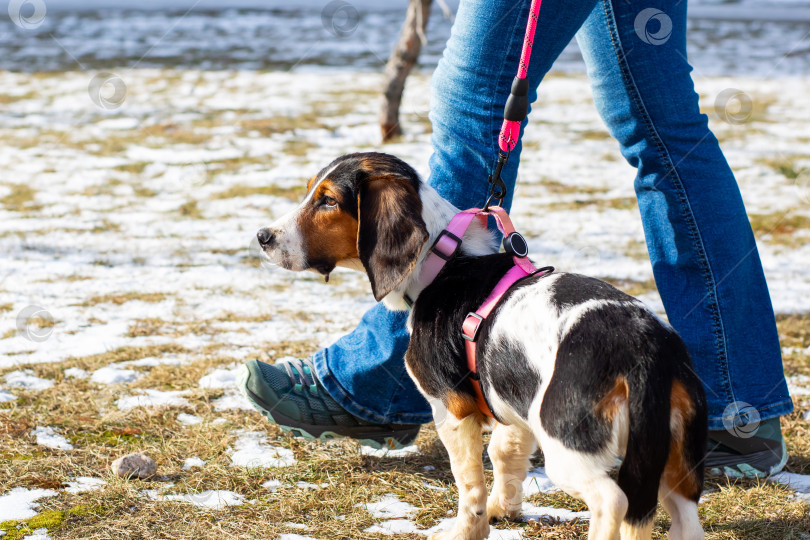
361, 207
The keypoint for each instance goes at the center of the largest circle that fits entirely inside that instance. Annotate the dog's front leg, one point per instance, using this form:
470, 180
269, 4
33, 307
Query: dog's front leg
509, 449
462, 438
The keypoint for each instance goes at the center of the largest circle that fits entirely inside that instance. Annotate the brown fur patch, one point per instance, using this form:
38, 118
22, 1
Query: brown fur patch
608, 407
330, 235
677, 475
462, 405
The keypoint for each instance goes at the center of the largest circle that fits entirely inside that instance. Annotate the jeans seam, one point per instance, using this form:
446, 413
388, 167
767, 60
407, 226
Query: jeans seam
686, 209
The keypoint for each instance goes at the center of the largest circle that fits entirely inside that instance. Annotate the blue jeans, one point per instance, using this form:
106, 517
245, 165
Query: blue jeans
700, 242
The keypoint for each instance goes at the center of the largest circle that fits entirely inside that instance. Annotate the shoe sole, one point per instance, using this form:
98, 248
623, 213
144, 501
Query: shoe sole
744, 470
288, 425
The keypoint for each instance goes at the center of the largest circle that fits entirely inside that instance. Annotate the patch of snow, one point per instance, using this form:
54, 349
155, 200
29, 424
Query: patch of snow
20, 503
76, 373
192, 462
389, 507
47, 436
394, 526
232, 400
529, 512
153, 398
216, 499
308, 485
296, 525
221, 378
294, 537
6, 396
538, 482
796, 482
84, 483
437, 488
188, 419
806, 414
114, 374
154, 361
252, 450
272, 485
26, 379
389, 452
38, 534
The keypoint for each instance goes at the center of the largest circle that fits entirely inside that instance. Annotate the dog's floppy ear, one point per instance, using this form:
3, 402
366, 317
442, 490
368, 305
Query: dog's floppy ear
391, 230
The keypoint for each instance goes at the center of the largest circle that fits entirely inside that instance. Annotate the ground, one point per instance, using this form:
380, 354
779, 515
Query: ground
129, 294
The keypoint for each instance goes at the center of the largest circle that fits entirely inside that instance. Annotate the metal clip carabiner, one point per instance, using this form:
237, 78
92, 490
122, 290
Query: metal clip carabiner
498, 189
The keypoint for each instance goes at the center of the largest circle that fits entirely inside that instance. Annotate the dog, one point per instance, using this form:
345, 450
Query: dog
565, 361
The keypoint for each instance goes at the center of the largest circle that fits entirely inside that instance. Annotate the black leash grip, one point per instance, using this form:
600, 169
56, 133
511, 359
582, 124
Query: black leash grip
517, 106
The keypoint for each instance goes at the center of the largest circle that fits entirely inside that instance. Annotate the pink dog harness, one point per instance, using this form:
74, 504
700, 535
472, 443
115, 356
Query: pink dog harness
443, 250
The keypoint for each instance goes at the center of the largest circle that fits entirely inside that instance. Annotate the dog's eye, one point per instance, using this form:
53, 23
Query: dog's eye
329, 202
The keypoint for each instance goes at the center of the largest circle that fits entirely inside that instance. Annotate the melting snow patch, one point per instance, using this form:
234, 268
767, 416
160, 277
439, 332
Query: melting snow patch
272, 485
76, 373
538, 482
216, 499
26, 379
232, 400
153, 398
84, 483
38, 534
394, 526
114, 374
530, 512
6, 396
193, 462
296, 525
294, 537
220, 378
797, 482
389, 507
388, 452
252, 450
19, 503
188, 419
47, 436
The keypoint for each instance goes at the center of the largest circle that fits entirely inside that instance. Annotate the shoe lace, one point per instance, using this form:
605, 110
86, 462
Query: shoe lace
302, 373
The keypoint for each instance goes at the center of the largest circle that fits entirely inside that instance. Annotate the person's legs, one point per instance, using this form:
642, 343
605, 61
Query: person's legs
364, 373
700, 242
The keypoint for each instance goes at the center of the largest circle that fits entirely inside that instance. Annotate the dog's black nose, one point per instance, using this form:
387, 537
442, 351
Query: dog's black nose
265, 237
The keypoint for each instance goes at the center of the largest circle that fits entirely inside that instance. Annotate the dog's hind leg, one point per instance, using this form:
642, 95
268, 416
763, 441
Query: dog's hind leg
463, 441
509, 449
585, 476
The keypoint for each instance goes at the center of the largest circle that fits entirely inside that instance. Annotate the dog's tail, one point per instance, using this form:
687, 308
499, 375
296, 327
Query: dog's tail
664, 443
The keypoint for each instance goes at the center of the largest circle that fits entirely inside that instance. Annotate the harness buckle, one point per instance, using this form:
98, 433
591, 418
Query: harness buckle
470, 331
435, 247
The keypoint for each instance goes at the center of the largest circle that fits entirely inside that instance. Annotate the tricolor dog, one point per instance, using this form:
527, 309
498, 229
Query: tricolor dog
565, 361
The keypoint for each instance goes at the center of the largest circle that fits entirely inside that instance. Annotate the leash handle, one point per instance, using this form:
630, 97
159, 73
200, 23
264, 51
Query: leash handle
517, 106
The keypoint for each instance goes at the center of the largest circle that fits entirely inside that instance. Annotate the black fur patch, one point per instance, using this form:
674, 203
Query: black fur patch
572, 289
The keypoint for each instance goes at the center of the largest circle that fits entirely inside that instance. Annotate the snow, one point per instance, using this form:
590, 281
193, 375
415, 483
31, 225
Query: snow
221, 378
531, 512
232, 400
389, 507
294, 537
114, 374
192, 462
47, 436
389, 452
272, 485
153, 398
6, 396
538, 482
252, 450
20, 503
796, 482
26, 379
38, 534
216, 499
76, 373
84, 483
188, 419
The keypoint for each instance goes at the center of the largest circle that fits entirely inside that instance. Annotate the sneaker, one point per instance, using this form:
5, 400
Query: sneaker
289, 395
757, 456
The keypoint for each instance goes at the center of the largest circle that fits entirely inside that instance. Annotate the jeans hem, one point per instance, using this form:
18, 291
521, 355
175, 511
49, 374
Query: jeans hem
765, 413
336, 391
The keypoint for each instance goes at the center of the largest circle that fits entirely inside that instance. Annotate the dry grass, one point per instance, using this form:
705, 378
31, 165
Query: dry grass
123, 298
